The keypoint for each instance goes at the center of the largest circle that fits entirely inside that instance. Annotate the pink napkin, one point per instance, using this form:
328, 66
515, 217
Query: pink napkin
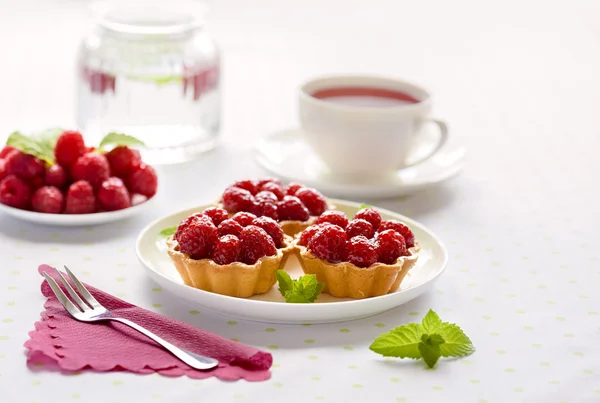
111, 346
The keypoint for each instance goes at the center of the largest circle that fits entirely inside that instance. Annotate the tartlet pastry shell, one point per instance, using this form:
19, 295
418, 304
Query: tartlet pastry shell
344, 279
235, 279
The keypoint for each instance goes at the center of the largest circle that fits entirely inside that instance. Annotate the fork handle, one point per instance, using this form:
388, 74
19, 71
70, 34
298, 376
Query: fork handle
196, 361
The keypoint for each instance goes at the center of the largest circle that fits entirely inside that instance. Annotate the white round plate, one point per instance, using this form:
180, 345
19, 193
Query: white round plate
271, 307
74, 220
286, 155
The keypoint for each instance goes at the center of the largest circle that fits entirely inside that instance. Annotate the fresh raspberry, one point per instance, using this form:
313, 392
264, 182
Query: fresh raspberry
390, 246
264, 208
312, 200
236, 199
230, 227
334, 217
92, 168
186, 221
256, 243
14, 192
370, 215
5, 151
48, 199
361, 252
198, 237
113, 195
400, 228
123, 161
266, 196
274, 188
358, 226
23, 165
329, 243
293, 188
80, 199
291, 208
228, 249
272, 228
143, 181
248, 185
2, 169
69, 147
264, 181
244, 218
217, 215
309, 232
56, 176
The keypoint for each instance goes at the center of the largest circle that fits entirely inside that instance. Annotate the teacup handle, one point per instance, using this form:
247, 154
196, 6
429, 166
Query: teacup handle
441, 142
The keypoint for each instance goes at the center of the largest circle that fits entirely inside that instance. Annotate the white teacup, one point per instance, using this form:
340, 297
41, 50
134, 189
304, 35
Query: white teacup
365, 126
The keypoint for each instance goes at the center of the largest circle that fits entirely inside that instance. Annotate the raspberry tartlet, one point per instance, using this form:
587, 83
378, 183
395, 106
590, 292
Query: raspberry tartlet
295, 207
235, 256
361, 258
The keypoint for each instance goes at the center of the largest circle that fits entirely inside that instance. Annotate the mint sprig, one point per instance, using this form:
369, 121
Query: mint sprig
119, 139
167, 232
305, 289
429, 340
40, 145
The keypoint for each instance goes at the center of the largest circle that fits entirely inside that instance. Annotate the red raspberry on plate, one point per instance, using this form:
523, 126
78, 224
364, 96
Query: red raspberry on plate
5, 151
197, 237
230, 227
217, 215
113, 195
256, 243
358, 226
272, 228
185, 222
291, 208
361, 252
69, 147
400, 228
370, 215
274, 188
56, 176
48, 199
266, 196
329, 243
80, 199
92, 168
2, 169
14, 192
228, 249
236, 199
313, 200
143, 181
390, 246
244, 218
264, 208
123, 161
23, 165
334, 217
248, 185
309, 232
293, 188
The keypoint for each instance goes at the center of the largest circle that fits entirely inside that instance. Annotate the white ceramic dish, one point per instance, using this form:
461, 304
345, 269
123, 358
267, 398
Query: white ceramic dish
74, 220
271, 307
287, 155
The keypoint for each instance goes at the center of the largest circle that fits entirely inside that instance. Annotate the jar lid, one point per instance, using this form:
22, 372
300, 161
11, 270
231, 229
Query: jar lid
150, 17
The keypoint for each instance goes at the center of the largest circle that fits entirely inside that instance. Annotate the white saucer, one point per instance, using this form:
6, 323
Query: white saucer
286, 155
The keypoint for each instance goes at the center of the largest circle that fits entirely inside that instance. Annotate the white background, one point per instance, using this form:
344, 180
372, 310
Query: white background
516, 80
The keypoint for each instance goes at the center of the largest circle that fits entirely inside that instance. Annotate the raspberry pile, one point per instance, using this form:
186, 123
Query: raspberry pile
242, 238
362, 241
270, 198
80, 181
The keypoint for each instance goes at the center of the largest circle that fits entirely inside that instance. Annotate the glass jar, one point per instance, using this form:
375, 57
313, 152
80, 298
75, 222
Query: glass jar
149, 70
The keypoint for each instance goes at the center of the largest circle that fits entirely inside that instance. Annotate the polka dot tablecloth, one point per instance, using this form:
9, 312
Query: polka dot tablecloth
518, 86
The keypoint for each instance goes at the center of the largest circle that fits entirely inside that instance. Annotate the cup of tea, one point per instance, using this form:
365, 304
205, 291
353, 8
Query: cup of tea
366, 126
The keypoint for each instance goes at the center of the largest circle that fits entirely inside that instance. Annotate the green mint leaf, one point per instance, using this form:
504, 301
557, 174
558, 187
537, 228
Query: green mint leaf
306, 289
457, 344
119, 139
401, 342
167, 232
32, 146
429, 347
431, 322
362, 206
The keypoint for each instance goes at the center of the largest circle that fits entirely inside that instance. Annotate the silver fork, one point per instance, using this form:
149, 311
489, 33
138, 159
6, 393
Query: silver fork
92, 311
